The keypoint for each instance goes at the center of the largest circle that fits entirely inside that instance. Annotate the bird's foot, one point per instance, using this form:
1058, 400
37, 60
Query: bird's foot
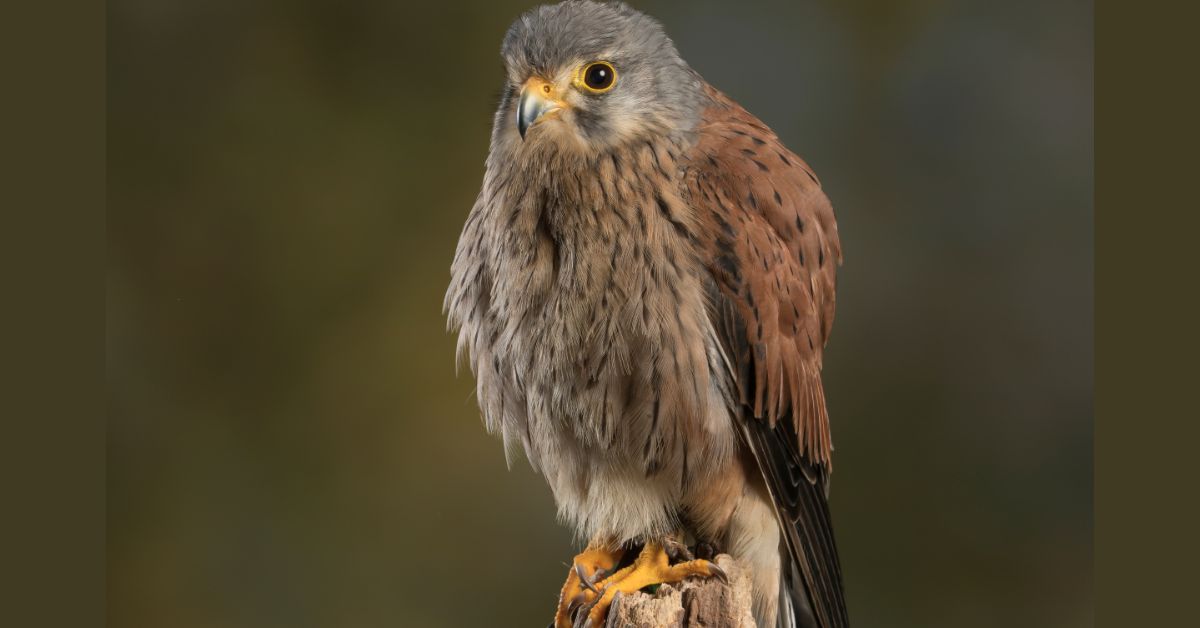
590, 566
652, 567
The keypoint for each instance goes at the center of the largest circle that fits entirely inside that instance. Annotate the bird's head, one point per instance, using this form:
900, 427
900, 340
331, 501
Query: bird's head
588, 75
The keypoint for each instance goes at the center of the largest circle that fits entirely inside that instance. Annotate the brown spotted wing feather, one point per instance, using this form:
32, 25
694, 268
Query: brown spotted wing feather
771, 245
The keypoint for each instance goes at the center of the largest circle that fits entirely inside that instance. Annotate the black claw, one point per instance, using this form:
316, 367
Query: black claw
587, 608
718, 572
583, 579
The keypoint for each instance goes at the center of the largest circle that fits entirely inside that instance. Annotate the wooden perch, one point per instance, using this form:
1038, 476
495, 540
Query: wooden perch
694, 603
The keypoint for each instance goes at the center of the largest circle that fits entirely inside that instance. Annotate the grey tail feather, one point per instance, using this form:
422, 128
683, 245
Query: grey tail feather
786, 617
794, 610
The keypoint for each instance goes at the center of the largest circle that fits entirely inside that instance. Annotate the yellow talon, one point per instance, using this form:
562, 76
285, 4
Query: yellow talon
651, 567
598, 557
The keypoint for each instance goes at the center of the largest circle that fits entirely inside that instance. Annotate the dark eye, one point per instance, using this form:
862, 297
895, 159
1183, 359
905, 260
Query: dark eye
599, 76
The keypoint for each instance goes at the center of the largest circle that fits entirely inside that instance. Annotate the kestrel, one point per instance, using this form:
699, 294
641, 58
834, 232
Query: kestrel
644, 288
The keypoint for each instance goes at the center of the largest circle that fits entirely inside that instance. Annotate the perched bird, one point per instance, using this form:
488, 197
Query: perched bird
644, 288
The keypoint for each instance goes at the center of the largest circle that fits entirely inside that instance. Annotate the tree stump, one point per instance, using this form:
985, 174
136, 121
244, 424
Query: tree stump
693, 603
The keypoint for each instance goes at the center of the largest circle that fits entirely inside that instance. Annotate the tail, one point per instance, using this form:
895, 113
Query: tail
811, 594
794, 609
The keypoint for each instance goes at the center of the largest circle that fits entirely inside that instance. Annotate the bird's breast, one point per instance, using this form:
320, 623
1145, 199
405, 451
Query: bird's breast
582, 301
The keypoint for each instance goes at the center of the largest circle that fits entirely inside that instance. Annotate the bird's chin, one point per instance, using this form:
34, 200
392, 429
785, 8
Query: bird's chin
542, 132
555, 132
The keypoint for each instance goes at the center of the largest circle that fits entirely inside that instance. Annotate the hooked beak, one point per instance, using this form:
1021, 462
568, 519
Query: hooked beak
537, 100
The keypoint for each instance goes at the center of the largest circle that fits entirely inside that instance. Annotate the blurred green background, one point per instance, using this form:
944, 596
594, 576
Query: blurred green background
289, 444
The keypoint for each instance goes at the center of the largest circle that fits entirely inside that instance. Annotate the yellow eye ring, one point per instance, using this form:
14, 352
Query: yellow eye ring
597, 77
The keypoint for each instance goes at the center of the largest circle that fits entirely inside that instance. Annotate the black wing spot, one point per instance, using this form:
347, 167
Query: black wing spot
729, 264
725, 226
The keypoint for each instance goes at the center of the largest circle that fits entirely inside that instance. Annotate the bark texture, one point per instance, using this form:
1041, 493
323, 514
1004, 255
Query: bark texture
694, 603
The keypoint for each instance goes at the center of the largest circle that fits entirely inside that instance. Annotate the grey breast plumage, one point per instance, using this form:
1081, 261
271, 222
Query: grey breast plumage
580, 297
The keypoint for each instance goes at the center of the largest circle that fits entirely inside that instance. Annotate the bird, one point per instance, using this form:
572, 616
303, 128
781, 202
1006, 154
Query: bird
643, 290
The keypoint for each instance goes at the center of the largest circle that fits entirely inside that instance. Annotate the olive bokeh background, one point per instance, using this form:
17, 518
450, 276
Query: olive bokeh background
289, 444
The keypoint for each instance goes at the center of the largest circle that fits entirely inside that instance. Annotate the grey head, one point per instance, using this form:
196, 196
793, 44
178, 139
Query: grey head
589, 76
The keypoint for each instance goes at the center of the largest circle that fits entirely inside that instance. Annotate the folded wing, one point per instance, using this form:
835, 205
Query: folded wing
770, 242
